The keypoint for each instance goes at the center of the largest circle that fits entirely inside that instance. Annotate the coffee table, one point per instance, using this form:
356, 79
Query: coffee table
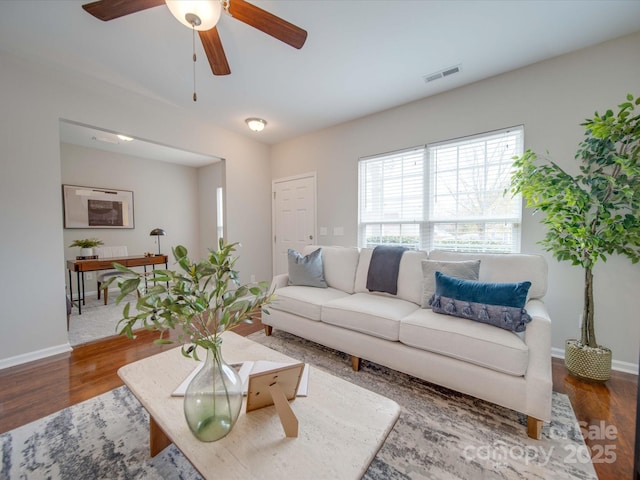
342, 426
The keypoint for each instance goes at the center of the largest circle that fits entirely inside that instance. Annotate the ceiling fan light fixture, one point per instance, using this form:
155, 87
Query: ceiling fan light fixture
199, 14
256, 124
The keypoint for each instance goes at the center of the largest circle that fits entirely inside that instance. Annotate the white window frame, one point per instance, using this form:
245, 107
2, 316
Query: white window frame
219, 213
489, 233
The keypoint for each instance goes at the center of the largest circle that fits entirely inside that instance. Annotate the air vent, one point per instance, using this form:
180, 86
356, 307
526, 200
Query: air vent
442, 73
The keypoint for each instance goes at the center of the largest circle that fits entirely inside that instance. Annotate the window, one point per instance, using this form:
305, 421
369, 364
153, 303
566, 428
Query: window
448, 195
220, 212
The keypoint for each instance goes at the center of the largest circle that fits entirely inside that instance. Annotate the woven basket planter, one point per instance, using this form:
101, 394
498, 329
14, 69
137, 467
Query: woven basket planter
587, 363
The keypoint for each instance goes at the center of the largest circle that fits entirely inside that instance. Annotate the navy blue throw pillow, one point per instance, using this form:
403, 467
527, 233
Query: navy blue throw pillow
506, 294
497, 304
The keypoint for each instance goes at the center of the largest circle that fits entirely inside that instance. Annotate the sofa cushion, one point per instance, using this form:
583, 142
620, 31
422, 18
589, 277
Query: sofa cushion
363, 270
304, 301
466, 340
505, 267
339, 265
409, 276
306, 270
374, 314
467, 269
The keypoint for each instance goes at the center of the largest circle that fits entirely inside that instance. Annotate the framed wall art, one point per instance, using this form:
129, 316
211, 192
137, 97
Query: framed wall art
95, 207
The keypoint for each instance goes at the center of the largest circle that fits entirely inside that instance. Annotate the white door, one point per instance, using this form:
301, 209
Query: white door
294, 217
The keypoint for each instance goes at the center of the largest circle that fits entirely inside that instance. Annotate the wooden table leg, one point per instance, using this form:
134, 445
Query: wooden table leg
158, 440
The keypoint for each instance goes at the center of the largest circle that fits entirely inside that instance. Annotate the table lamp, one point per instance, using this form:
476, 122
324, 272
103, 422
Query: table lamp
158, 232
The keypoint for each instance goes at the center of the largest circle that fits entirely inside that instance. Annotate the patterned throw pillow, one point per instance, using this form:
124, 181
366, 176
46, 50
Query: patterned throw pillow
306, 271
497, 304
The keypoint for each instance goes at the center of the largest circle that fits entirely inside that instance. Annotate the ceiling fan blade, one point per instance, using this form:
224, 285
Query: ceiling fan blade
109, 9
215, 53
268, 23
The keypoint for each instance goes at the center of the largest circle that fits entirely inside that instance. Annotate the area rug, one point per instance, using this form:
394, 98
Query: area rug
440, 434
97, 320
443, 434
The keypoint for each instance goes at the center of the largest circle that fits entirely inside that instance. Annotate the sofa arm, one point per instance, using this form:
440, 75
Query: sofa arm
538, 377
280, 281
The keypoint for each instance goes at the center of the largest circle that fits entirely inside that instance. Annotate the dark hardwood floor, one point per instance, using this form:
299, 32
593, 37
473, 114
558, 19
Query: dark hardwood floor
607, 417
31, 391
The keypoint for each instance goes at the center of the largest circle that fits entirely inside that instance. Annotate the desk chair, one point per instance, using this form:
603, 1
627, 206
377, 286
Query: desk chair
103, 275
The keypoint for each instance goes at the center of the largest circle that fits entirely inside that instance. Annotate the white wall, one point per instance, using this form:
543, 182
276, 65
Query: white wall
33, 98
165, 195
551, 99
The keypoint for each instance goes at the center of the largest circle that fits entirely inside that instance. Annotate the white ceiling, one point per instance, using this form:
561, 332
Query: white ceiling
360, 57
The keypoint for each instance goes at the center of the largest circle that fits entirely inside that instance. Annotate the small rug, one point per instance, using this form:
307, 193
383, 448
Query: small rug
441, 434
97, 320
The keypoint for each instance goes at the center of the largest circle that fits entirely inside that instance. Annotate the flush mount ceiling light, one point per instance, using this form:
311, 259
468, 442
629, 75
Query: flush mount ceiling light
256, 124
105, 140
124, 138
199, 14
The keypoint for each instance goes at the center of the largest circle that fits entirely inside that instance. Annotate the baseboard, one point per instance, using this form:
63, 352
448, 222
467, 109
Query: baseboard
37, 355
617, 365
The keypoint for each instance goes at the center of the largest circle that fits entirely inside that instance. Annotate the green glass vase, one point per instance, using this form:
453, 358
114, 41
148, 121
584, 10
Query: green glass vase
213, 399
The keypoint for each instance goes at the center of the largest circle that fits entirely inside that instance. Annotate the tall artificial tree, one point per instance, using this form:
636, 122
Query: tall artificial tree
595, 213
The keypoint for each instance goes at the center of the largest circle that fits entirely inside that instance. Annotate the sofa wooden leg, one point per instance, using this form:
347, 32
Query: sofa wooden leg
268, 330
355, 363
534, 427
99, 285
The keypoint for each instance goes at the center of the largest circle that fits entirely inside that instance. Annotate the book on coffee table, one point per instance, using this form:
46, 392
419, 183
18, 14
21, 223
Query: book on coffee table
245, 369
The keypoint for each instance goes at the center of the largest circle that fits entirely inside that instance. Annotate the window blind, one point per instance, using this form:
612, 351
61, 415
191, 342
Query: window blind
447, 195
392, 201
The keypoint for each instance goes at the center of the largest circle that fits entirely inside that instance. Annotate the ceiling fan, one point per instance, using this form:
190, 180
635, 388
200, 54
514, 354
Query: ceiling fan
205, 22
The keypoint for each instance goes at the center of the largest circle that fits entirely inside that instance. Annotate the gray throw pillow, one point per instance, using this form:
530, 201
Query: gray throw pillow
467, 270
306, 271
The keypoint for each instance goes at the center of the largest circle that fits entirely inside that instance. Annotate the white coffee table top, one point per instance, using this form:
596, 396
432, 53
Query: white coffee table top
342, 426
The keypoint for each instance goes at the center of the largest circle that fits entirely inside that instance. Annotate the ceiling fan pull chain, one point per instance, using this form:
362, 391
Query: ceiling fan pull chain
195, 95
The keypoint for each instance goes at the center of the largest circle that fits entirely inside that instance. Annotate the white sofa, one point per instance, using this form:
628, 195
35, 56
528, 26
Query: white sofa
509, 369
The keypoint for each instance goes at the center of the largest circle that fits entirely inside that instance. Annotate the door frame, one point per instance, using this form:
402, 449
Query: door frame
313, 176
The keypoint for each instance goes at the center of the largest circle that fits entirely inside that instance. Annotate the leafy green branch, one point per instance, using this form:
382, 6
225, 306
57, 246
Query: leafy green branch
200, 300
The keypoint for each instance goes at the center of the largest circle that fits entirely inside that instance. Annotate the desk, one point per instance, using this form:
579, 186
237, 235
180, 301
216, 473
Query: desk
81, 266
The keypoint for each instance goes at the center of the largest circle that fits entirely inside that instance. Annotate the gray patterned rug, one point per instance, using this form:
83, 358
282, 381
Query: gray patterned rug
440, 434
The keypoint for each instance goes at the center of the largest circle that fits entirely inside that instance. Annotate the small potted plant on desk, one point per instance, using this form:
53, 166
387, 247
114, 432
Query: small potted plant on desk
86, 245
590, 215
